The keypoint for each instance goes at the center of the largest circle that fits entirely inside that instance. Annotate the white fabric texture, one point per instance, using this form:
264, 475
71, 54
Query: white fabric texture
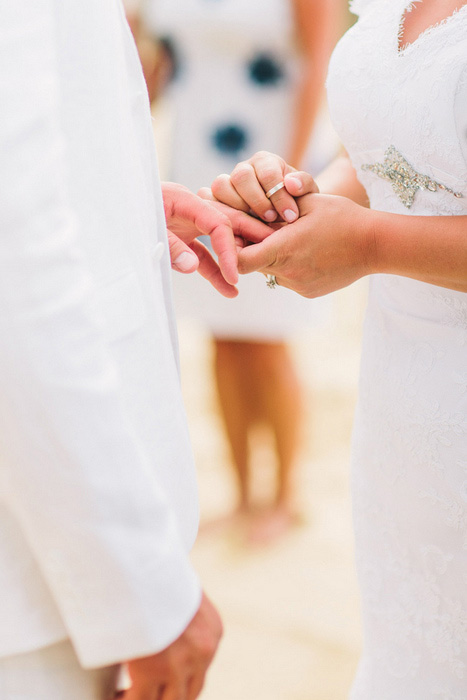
358, 6
216, 47
54, 673
409, 472
98, 505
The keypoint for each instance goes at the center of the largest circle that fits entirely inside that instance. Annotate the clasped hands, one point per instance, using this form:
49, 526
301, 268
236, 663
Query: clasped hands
313, 243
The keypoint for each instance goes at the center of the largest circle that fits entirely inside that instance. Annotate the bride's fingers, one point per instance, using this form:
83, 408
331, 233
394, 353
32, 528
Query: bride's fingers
246, 183
300, 183
223, 190
270, 171
206, 193
246, 188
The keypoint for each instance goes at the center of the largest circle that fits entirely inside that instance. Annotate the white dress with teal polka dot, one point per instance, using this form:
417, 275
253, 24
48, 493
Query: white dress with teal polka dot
233, 92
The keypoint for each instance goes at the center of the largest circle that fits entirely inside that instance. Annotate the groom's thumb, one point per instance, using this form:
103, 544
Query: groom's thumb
182, 257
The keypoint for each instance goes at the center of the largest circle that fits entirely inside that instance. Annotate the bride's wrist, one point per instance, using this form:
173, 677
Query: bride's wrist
368, 233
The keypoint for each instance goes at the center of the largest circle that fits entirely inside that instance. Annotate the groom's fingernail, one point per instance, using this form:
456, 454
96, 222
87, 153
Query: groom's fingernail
185, 261
270, 215
289, 215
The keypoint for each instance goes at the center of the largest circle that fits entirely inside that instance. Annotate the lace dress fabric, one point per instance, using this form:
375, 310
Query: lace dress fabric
409, 463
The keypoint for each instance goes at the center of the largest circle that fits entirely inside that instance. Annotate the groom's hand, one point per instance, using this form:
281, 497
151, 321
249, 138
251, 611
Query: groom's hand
178, 672
188, 217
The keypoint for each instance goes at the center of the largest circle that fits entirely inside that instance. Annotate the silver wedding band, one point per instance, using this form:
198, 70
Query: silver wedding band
271, 281
275, 189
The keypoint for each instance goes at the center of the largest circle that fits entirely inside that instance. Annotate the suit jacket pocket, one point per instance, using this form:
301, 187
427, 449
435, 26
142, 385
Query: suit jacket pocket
120, 305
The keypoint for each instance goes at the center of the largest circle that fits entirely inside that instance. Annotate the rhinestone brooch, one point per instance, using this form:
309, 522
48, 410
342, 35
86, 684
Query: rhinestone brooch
404, 179
271, 281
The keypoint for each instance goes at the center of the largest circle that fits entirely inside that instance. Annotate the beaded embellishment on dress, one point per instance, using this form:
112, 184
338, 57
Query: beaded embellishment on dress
404, 179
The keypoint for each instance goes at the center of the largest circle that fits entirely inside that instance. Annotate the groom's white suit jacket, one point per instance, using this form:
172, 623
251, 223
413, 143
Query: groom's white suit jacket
98, 504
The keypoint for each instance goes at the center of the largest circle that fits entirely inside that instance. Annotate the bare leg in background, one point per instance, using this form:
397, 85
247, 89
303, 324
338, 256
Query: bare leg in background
257, 384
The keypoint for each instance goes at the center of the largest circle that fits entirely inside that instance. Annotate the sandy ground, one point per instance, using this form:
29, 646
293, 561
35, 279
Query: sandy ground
291, 610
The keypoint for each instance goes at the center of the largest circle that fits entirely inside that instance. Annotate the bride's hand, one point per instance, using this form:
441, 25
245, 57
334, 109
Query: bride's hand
246, 187
330, 246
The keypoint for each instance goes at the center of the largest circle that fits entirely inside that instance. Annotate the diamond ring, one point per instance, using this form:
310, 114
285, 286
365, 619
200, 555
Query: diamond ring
271, 281
275, 189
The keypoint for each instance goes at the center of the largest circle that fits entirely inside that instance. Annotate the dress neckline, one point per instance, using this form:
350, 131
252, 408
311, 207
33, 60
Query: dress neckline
403, 49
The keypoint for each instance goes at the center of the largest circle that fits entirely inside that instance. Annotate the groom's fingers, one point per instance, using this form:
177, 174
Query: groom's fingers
149, 691
187, 687
246, 226
223, 190
211, 222
195, 686
183, 259
209, 269
188, 259
176, 690
174, 687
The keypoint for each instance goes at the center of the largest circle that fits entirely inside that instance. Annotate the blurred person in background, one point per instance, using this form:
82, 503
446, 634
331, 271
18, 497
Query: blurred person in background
247, 75
155, 61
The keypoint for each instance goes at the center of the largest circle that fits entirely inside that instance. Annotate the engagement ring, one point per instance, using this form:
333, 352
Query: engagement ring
275, 189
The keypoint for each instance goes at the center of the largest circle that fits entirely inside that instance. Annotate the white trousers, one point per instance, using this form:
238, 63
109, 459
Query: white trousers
53, 673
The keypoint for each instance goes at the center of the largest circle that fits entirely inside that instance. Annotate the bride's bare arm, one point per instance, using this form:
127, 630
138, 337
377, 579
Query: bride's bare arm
337, 241
428, 248
431, 249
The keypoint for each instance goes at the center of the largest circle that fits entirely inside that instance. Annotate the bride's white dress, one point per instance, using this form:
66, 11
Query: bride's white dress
399, 113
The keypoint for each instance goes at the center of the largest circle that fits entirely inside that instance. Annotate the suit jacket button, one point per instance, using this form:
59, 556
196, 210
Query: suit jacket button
158, 252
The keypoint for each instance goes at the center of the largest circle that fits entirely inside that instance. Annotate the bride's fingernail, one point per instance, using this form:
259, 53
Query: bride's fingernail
270, 215
289, 215
185, 261
294, 181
